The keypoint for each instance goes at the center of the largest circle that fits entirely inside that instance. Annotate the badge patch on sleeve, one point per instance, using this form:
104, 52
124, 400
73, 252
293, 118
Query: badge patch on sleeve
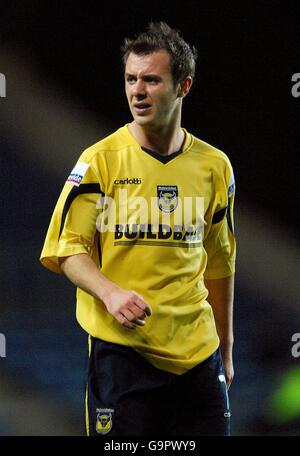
231, 186
78, 173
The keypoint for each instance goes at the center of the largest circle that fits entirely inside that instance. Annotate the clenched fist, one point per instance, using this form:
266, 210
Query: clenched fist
127, 307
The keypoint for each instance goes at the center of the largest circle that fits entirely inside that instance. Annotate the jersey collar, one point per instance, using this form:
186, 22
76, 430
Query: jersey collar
161, 158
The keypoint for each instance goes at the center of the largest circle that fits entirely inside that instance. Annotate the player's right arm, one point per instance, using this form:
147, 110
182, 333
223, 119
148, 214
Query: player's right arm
127, 307
70, 239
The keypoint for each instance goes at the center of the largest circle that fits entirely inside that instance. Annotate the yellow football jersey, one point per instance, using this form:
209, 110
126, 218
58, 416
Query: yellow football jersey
154, 224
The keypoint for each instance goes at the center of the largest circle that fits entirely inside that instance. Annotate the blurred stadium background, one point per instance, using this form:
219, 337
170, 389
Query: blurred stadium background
64, 91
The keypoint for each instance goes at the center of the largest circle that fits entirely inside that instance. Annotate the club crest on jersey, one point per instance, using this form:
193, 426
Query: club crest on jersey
167, 197
104, 421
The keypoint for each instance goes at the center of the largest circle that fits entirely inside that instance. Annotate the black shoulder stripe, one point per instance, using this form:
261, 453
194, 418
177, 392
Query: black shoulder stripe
228, 215
218, 216
76, 191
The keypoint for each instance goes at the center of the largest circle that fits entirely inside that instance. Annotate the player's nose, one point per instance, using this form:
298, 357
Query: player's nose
139, 88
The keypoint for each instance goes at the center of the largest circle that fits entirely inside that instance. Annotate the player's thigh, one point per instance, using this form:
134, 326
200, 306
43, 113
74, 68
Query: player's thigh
133, 415
201, 402
123, 391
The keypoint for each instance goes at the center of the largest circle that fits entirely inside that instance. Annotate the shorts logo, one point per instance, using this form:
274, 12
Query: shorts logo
167, 197
104, 421
77, 173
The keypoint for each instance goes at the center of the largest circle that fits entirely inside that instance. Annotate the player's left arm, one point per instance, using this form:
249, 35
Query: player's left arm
220, 246
221, 293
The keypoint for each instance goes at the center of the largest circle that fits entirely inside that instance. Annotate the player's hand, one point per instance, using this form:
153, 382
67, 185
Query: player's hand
228, 370
226, 352
127, 307
229, 374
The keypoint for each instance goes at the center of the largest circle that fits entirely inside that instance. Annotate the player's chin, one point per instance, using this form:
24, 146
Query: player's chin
143, 120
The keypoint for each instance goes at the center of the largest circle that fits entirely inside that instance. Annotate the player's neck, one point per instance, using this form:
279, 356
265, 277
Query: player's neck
165, 140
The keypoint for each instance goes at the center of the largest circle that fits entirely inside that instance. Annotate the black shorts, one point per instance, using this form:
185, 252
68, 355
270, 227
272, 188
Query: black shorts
126, 395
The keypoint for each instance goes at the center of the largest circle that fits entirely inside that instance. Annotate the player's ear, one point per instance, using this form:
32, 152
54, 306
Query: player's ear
185, 86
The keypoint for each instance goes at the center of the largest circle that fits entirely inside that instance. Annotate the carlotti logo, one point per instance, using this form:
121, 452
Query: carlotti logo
127, 180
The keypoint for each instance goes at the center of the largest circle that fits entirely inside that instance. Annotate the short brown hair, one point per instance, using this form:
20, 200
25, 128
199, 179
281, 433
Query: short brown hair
158, 36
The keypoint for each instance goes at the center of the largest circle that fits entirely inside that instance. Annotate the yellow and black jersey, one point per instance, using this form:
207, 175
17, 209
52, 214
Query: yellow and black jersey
158, 225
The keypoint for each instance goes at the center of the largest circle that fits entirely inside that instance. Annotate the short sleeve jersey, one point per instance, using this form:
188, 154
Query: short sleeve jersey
158, 225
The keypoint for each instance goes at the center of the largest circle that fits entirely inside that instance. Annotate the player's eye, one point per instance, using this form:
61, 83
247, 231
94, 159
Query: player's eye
130, 79
151, 79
